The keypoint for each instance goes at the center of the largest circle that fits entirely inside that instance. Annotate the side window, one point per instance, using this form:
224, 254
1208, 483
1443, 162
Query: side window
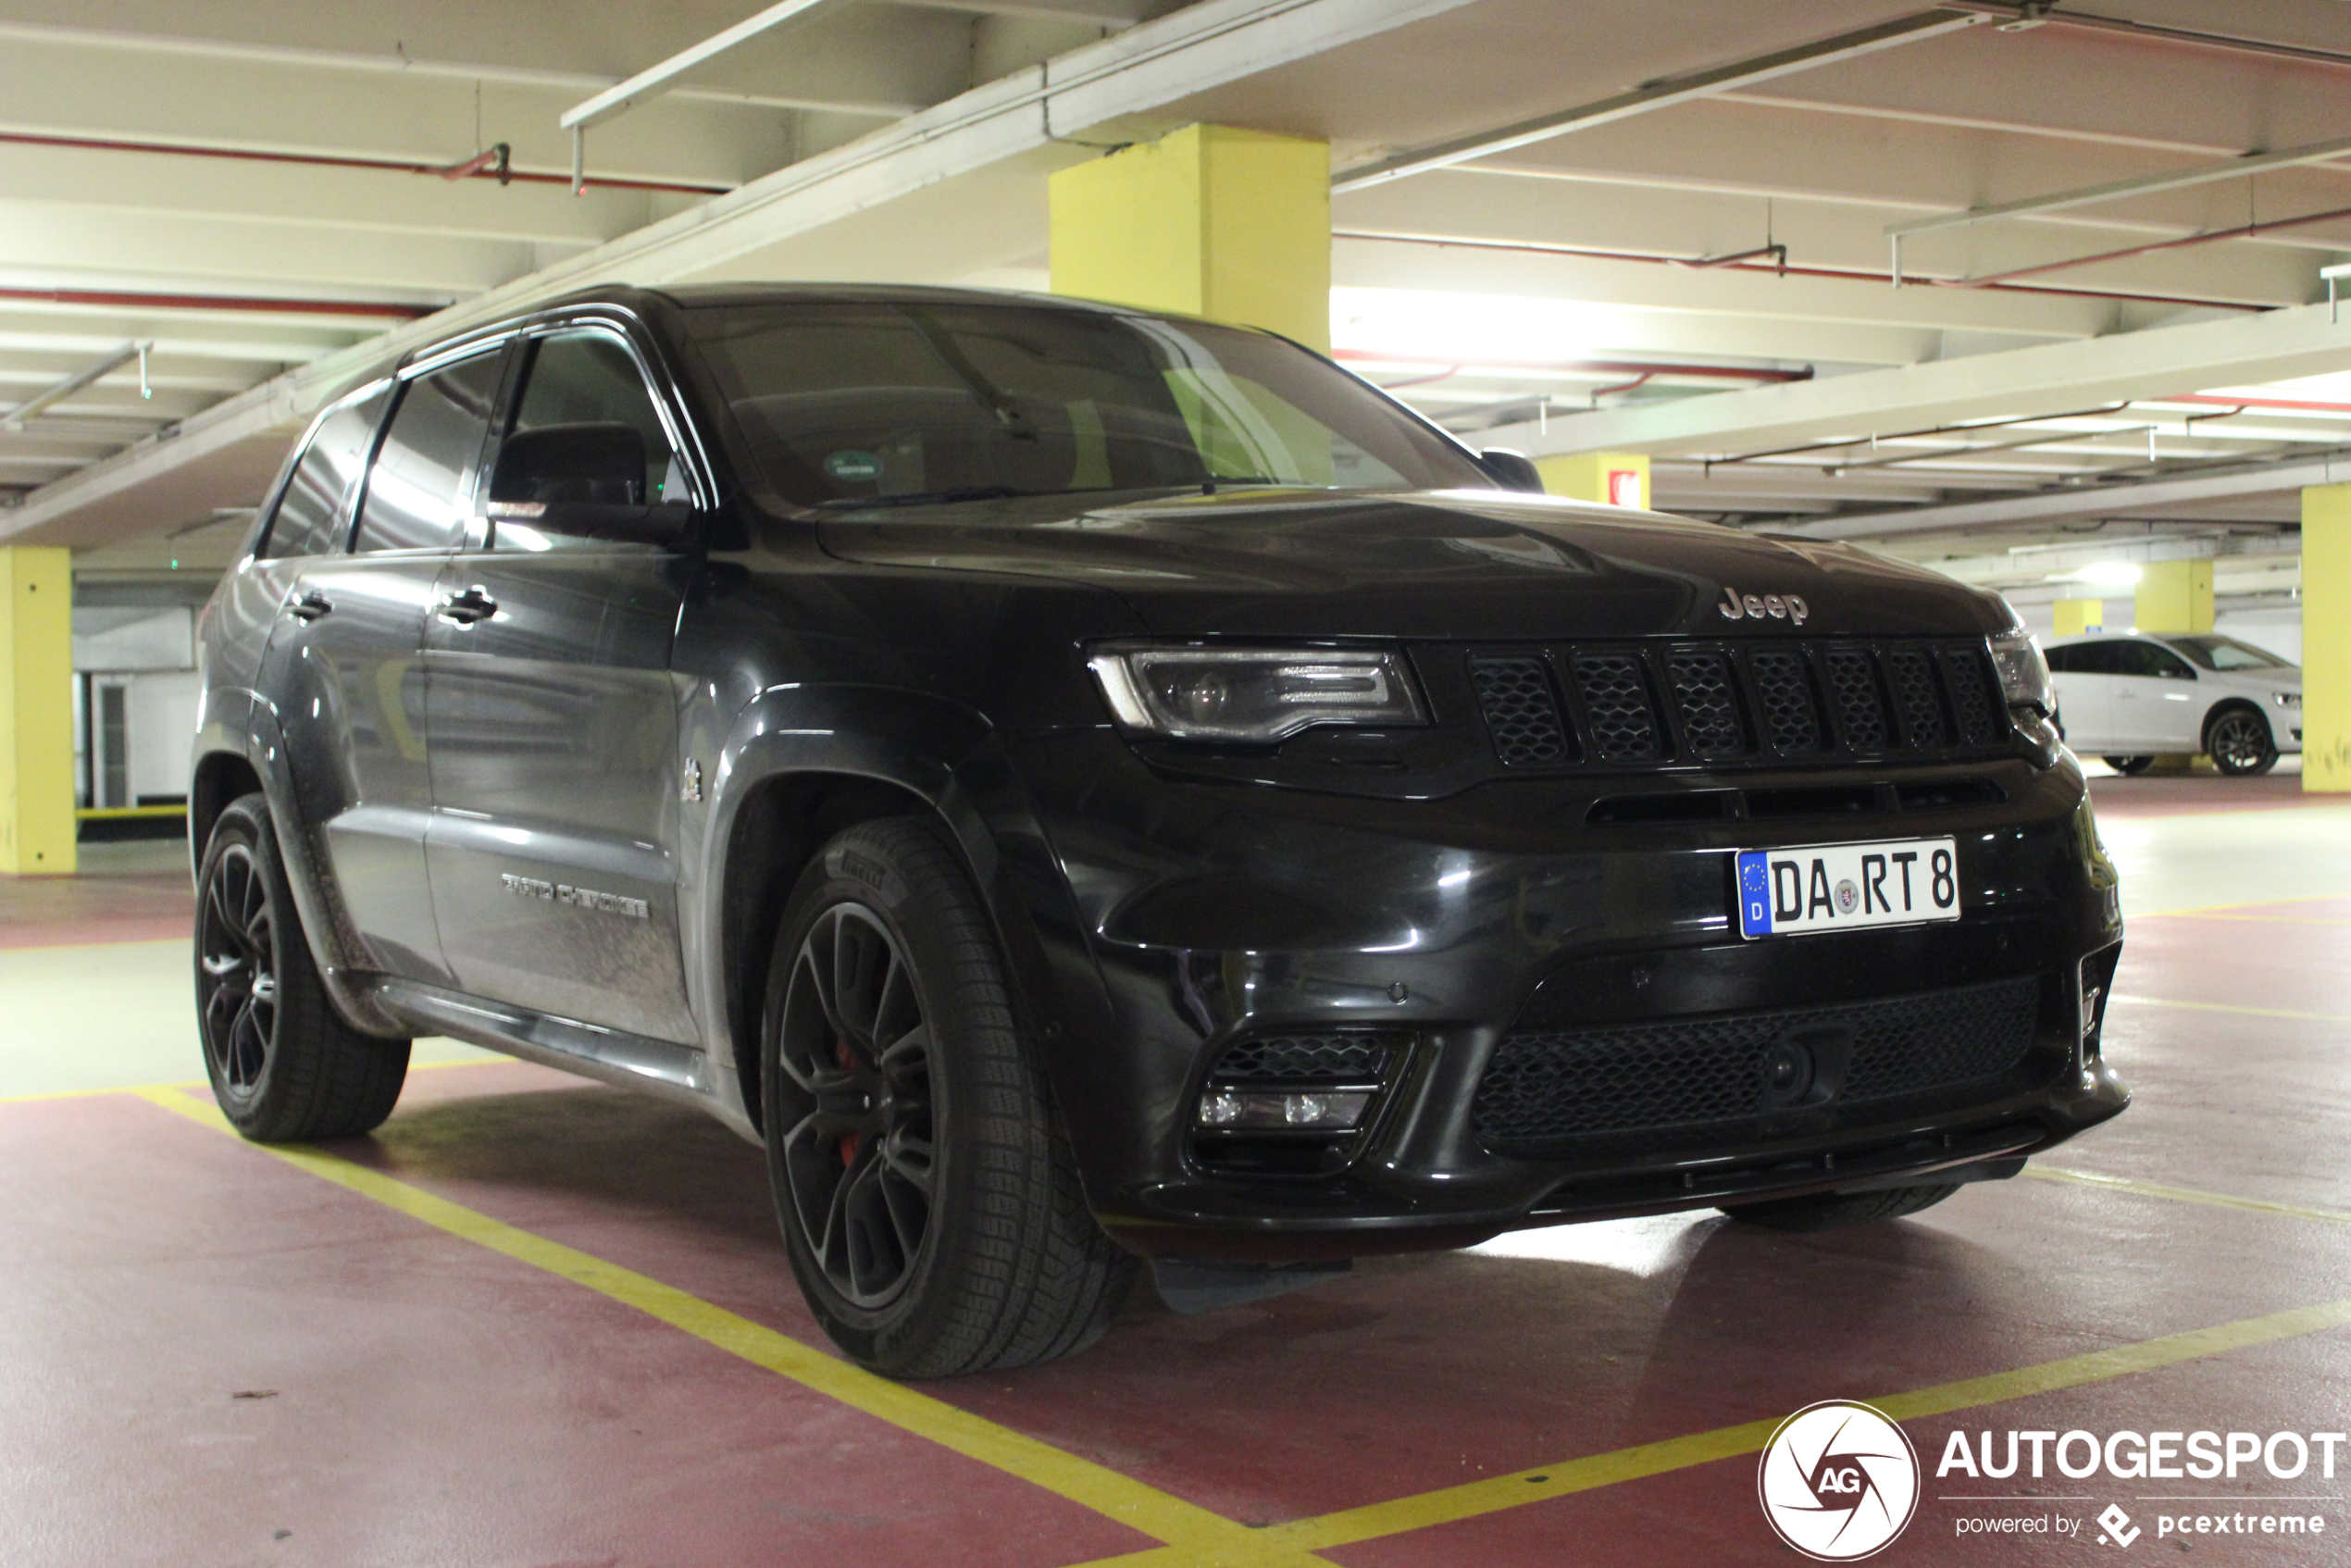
417, 490
2151, 659
2063, 661
589, 379
306, 522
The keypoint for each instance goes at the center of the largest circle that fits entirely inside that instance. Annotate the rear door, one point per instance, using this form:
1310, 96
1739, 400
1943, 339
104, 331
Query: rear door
554, 728
345, 667
2155, 697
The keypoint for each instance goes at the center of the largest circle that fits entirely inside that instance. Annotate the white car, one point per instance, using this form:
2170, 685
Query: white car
2130, 698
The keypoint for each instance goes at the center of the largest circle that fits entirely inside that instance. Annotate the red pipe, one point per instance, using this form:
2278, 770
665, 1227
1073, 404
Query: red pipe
479, 169
1608, 367
120, 300
2243, 232
1851, 273
2252, 402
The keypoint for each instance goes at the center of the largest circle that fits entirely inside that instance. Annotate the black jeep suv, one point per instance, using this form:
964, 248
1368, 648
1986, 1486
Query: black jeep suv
1078, 785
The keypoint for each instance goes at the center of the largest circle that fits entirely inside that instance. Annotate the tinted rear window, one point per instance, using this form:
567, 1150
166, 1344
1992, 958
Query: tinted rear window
421, 475
309, 514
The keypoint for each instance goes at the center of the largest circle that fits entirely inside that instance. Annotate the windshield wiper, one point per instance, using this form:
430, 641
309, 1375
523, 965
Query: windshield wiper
931, 497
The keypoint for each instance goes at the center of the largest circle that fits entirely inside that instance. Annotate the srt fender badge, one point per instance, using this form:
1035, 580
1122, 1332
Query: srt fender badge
1779, 606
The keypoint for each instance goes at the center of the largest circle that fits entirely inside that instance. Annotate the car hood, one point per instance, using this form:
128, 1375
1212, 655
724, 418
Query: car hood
1458, 564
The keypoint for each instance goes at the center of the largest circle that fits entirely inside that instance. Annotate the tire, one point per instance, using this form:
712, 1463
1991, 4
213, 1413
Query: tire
2129, 767
1835, 1211
284, 1066
933, 1217
2238, 741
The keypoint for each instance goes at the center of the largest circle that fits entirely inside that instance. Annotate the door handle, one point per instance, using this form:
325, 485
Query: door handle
310, 607
464, 609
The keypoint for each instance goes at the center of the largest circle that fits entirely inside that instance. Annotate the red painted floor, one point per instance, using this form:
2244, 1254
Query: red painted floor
428, 1402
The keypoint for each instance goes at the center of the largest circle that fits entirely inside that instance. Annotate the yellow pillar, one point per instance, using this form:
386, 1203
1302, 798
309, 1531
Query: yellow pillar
1210, 220
36, 711
2175, 596
2075, 616
1613, 479
2326, 639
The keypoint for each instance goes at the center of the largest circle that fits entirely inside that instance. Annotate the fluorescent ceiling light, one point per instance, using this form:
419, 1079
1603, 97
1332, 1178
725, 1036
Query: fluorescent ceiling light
1424, 326
2105, 574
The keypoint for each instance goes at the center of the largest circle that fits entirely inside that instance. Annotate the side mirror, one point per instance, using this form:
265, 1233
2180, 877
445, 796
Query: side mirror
585, 481
1512, 470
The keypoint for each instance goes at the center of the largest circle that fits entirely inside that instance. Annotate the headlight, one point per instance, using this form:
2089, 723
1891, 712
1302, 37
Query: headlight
2024, 675
2286, 699
1253, 695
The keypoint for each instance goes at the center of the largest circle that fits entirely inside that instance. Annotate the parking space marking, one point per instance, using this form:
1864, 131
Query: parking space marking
2242, 903
148, 1091
2187, 1194
2232, 1007
1199, 1535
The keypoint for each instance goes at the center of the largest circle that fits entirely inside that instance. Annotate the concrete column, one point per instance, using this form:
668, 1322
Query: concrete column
36, 711
2175, 596
1209, 220
2326, 639
2075, 616
1613, 479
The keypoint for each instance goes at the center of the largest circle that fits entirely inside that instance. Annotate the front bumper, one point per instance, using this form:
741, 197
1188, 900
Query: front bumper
1217, 913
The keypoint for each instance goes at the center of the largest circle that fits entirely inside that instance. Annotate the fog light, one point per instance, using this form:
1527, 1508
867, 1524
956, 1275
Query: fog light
1254, 1110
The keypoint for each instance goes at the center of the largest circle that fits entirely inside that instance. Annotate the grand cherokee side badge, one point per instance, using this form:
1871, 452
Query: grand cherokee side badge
1779, 606
689, 788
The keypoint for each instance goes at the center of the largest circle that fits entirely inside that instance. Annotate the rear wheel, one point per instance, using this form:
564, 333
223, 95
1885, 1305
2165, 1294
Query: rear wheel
2131, 767
2239, 742
1834, 1211
283, 1063
933, 1217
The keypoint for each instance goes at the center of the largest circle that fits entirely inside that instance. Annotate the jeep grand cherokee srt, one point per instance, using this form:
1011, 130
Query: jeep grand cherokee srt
1080, 786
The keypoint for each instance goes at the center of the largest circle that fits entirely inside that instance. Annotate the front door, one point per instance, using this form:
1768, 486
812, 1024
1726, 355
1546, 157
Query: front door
2155, 697
2084, 675
345, 663
554, 724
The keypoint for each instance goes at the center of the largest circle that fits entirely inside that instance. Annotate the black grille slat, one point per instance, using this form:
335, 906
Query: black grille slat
1675, 1074
1791, 717
1911, 672
1617, 708
1522, 712
1707, 697
1975, 700
1859, 706
1339, 1057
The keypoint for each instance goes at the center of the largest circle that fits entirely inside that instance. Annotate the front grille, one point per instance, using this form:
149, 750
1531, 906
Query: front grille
1685, 1073
1349, 1057
1733, 702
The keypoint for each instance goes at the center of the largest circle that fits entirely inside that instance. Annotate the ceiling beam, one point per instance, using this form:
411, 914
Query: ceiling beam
14, 418
655, 80
1661, 95
2086, 501
2116, 189
2046, 379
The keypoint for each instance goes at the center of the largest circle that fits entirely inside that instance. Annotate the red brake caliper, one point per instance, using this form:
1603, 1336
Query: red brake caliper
848, 1144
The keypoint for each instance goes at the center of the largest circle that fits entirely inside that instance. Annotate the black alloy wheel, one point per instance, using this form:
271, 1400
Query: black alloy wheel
930, 1208
2240, 744
284, 1065
237, 972
858, 1159
2130, 767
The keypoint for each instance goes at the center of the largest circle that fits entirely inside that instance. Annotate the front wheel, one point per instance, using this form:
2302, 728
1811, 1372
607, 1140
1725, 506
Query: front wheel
1835, 1211
283, 1063
2240, 744
2130, 767
933, 1217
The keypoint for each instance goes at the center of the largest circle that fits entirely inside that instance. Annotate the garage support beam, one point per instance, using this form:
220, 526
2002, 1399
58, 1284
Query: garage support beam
36, 712
2174, 596
2326, 640
1209, 220
2075, 616
1612, 479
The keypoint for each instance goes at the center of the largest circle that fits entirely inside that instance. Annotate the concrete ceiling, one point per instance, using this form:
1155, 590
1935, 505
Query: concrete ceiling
258, 189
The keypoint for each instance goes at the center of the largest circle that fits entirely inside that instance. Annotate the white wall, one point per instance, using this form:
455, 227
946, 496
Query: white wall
162, 713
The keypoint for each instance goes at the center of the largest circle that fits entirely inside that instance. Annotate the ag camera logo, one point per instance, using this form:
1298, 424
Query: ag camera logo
1839, 1481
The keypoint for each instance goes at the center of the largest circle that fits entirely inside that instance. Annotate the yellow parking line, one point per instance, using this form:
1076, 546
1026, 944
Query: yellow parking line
2234, 1007
2187, 1194
150, 1091
2281, 919
2245, 903
1202, 1534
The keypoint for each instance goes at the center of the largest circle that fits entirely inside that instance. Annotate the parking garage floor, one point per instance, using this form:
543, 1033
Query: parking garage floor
537, 1322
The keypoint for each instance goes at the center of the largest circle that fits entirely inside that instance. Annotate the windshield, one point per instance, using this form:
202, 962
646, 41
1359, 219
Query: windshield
890, 403
2225, 653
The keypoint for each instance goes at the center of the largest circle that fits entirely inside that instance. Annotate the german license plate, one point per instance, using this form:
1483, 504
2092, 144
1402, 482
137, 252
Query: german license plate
1846, 887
